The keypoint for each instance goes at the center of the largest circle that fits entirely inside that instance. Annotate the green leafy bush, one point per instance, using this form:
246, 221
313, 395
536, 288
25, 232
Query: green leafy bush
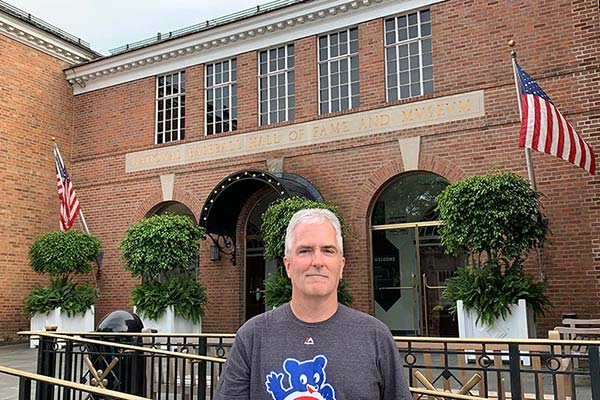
163, 250
490, 292
63, 293
162, 244
278, 287
186, 296
492, 215
495, 219
62, 254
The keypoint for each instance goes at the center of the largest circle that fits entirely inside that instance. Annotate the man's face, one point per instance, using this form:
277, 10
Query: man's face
315, 263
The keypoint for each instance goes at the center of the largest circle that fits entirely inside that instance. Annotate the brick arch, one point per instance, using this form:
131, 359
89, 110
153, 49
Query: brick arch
156, 197
391, 169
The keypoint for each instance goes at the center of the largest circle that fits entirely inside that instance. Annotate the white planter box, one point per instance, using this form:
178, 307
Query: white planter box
170, 323
64, 323
518, 325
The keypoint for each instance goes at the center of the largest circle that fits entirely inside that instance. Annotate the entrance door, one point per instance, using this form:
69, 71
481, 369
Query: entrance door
436, 266
257, 268
410, 268
395, 277
255, 276
409, 264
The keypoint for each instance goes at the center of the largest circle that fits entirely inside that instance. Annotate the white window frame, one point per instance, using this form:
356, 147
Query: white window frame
290, 111
329, 61
419, 39
178, 133
232, 99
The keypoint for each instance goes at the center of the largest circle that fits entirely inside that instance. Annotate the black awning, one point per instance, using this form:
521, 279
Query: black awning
222, 208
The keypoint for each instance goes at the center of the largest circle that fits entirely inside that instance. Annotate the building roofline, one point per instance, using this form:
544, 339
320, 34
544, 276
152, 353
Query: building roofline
206, 25
32, 20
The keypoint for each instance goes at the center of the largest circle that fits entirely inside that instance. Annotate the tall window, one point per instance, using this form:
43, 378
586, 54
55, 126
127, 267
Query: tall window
170, 107
221, 96
338, 71
409, 69
276, 85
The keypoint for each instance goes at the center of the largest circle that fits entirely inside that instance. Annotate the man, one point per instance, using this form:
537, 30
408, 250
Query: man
313, 347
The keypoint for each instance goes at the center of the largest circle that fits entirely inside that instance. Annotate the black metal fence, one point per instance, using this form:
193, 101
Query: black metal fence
500, 369
146, 365
188, 366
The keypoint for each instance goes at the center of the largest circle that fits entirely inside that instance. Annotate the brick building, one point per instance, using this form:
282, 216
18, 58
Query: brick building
372, 105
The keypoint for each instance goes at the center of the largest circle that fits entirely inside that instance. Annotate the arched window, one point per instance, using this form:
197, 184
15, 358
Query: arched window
409, 262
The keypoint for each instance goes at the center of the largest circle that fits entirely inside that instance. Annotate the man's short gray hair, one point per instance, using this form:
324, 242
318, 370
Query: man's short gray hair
313, 216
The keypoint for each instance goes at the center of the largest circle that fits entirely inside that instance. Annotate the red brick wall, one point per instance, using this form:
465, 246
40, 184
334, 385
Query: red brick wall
559, 49
36, 103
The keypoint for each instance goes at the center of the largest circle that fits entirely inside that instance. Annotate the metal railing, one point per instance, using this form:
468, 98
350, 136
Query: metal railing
209, 24
147, 365
503, 368
25, 16
181, 366
43, 382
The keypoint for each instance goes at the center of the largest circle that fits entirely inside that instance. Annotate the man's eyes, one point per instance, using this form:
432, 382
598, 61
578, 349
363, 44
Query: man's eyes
327, 250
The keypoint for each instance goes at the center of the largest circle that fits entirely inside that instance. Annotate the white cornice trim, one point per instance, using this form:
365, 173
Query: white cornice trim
279, 26
41, 40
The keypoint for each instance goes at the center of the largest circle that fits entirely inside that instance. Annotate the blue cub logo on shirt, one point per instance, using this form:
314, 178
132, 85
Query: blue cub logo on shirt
306, 380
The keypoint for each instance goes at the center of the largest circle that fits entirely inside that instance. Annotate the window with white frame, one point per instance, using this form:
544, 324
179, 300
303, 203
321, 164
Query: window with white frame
409, 69
221, 97
276, 85
338, 71
170, 107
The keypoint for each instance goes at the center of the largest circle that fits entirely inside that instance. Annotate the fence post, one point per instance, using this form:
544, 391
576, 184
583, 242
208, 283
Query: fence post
515, 370
68, 368
46, 364
24, 388
202, 350
594, 371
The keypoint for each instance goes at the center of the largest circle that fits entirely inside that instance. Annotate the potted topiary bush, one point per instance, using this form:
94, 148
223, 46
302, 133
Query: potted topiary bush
163, 251
278, 287
495, 219
64, 303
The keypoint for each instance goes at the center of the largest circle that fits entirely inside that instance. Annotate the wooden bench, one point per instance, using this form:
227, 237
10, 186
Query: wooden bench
578, 329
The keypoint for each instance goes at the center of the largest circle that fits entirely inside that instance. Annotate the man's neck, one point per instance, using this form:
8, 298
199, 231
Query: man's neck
313, 311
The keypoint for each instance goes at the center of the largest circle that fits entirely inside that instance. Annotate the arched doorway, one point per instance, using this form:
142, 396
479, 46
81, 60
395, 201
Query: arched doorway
409, 262
222, 218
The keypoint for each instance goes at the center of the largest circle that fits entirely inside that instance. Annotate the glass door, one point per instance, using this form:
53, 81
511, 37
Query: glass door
395, 277
436, 266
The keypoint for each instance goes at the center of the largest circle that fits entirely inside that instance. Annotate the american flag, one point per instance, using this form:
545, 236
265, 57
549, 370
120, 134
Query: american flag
69, 204
543, 128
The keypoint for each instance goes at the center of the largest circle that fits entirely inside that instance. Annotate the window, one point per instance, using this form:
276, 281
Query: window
338, 71
170, 107
409, 69
276, 85
221, 96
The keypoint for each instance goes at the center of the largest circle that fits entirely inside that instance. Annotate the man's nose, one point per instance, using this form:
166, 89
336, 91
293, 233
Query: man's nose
317, 260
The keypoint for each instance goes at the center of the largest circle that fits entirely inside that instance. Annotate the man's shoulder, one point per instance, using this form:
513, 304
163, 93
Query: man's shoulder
264, 320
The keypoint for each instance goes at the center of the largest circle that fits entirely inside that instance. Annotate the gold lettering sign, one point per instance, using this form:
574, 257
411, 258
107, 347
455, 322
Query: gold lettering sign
394, 118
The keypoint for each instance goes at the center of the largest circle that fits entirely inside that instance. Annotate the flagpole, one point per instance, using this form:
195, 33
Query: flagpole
530, 172
81, 217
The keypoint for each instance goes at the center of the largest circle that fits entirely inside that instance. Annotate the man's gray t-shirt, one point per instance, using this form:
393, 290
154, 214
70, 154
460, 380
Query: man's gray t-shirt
276, 356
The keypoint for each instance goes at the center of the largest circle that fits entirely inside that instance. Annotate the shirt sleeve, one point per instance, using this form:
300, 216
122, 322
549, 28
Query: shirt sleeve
395, 386
234, 382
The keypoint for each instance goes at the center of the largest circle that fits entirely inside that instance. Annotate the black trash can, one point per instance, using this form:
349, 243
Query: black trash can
128, 371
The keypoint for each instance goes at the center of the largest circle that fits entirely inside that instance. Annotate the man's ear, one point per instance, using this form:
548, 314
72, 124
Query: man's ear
286, 262
343, 262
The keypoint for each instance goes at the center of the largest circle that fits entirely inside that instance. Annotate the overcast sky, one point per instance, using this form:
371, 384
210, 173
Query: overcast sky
107, 24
